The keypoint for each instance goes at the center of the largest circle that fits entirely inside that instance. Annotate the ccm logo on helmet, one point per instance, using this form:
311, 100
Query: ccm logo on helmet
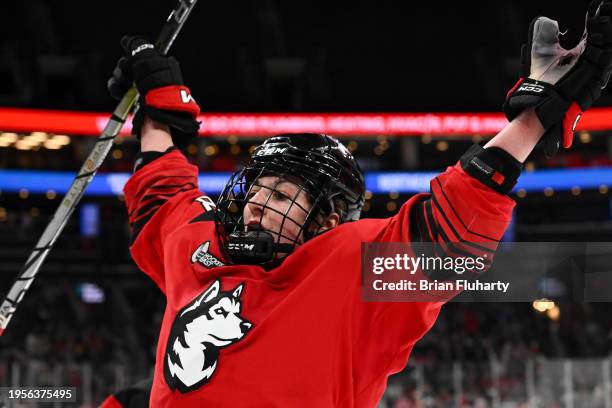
267, 151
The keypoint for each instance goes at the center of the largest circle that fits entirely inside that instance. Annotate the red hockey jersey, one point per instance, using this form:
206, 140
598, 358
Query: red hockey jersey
297, 335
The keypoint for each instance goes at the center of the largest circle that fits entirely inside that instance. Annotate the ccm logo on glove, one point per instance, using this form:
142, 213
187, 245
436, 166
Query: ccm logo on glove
531, 88
142, 47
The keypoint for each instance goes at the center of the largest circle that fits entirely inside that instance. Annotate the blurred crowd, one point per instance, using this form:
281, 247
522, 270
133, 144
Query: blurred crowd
508, 354
60, 337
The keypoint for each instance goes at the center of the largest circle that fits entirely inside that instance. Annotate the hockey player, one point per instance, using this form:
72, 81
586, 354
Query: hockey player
263, 287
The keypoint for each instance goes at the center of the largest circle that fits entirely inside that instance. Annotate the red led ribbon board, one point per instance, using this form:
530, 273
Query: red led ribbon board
265, 124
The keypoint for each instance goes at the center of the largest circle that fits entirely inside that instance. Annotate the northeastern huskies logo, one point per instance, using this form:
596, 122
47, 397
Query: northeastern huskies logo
206, 325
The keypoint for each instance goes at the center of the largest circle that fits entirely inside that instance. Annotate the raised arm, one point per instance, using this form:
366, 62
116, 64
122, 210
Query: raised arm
520, 136
164, 185
469, 210
155, 136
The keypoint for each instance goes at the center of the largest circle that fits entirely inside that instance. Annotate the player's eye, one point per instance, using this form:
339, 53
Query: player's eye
280, 196
252, 193
221, 312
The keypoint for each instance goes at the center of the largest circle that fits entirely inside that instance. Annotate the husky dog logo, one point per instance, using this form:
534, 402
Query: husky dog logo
209, 323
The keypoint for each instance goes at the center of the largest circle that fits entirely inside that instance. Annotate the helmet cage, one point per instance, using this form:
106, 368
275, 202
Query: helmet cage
239, 192
318, 165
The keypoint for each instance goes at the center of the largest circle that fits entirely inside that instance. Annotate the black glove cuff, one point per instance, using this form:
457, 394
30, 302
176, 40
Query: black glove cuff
144, 158
493, 166
183, 127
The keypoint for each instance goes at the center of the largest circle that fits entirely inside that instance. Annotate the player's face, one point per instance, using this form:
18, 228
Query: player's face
277, 206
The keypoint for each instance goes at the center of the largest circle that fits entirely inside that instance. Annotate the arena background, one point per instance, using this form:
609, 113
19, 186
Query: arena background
91, 318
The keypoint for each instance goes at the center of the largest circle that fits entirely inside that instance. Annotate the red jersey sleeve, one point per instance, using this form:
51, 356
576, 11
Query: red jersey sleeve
459, 209
157, 198
461, 214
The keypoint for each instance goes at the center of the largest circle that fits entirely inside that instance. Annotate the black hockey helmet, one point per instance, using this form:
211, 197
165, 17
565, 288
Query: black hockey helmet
318, 164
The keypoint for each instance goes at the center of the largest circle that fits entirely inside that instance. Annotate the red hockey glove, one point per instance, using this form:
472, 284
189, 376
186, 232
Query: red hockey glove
561, 84
159, 81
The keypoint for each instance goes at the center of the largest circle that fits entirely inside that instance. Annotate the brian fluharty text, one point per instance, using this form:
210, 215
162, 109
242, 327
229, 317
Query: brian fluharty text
430, 285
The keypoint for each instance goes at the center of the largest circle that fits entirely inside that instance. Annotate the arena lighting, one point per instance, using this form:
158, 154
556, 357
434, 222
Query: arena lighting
61, 139
29, 141
554, 313
23, 145
442, 145
90, 292
542, 305
9, 137
37, 136
265, 124
52, 145
585, 137
107, 184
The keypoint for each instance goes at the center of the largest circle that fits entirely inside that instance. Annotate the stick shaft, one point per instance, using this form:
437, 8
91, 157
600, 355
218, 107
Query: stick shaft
88, 170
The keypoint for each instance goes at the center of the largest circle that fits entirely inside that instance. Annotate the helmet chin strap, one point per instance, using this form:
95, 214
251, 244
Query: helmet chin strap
255, 247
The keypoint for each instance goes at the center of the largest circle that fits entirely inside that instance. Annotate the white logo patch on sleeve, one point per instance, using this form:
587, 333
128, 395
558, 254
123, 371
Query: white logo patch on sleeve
202, 256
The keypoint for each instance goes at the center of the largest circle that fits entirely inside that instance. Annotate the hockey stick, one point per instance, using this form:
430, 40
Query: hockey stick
28, 272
